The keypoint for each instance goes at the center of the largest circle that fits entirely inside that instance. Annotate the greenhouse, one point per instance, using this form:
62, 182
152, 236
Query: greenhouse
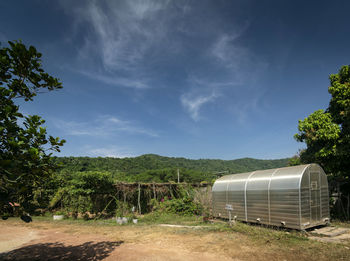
294, 197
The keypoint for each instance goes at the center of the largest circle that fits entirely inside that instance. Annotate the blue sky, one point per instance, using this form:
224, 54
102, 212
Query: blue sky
195, 79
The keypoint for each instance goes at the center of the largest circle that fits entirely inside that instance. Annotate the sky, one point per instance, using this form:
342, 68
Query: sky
195, 79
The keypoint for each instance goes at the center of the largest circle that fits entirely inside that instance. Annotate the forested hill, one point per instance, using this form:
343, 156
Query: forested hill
157, 168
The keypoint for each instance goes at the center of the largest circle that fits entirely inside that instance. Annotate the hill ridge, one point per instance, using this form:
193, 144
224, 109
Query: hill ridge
153, 167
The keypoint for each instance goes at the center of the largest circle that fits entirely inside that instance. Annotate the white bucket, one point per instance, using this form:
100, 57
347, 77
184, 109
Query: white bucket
119, 221
58, 217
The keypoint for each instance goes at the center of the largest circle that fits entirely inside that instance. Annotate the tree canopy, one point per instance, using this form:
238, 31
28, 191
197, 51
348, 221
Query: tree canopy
25, 146
155, 168
327, 132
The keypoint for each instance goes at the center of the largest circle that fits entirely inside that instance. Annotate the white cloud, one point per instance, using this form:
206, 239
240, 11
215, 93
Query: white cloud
103, 126
109, 152
193, 103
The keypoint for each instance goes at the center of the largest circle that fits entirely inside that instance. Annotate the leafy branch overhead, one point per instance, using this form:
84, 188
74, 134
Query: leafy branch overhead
22, 72
327, 133
25, 147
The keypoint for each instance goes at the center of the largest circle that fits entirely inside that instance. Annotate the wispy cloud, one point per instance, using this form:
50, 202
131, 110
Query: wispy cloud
229, 54
113, 152
236, 71
115, 80
135, 43
119, 38
122, 31
127, 126
193, 103
103, 126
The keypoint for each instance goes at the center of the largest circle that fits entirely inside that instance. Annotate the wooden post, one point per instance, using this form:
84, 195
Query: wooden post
154, 192
138, 199
178, 176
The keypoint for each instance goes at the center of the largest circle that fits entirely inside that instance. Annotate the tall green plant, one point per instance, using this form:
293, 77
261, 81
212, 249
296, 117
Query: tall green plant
182, 204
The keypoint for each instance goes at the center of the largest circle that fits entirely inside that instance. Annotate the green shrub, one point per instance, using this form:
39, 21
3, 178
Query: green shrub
60, 212
181, 206
84, 192
182, 203
123, 209
158, 217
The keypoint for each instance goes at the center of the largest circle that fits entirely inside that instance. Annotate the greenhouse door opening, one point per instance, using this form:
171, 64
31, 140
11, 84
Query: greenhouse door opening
315, 206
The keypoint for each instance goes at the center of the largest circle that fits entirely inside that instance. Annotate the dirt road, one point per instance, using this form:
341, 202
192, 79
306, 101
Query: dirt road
61, 241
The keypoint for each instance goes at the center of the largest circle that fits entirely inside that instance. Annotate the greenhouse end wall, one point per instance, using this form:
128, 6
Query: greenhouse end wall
294, 197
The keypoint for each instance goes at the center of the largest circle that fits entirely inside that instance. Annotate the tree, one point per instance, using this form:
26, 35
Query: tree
295, 160
327, 133
327, 136
25, 147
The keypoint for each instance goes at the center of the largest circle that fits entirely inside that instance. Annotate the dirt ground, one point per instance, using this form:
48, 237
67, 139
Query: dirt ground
42, 240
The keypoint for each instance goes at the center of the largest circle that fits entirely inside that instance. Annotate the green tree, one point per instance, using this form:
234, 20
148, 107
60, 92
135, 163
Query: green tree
327, 133
25, 147
295, 160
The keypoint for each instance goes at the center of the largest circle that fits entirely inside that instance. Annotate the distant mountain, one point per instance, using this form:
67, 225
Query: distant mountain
151, 167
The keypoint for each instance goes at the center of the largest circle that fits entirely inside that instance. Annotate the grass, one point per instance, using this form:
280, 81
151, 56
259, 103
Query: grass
339, 223
165, 218
256, 233
153, 218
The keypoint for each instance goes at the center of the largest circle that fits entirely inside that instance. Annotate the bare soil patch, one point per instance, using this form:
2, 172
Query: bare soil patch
12, 237
43, 240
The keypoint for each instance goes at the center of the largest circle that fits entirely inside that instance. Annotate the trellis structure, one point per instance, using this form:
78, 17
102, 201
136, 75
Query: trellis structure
141, 194
123, 197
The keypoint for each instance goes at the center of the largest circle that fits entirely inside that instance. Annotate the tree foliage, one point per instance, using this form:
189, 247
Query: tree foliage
155, 168
327, 133
81, 192
25, 147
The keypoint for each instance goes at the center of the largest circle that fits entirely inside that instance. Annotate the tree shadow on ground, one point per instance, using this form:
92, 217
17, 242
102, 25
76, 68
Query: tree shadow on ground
58, 251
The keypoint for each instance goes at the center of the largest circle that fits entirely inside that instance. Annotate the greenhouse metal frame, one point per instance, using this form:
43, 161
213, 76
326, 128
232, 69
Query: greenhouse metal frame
293, 197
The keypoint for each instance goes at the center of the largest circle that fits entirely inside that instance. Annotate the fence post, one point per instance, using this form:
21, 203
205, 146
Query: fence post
138, 198
154, 192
